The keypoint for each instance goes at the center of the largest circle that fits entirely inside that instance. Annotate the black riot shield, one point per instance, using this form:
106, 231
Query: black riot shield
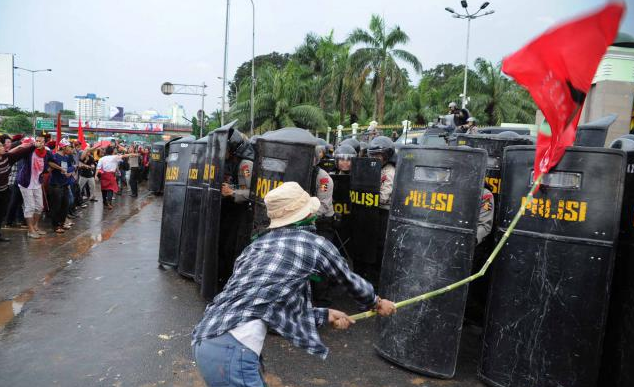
368, 220
594, 133
617, 369
157, 167
191, 217
430, 242
174, 204
550, 284
341, 205
158, 154
282, 155
494, 145
208, 238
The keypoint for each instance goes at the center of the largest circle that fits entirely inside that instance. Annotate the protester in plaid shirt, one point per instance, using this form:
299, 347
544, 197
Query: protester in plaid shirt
270, 288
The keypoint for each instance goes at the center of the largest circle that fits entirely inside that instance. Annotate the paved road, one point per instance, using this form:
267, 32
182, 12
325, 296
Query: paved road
91, 308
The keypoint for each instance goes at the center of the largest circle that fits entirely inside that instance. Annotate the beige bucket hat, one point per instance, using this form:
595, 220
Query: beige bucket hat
288, 204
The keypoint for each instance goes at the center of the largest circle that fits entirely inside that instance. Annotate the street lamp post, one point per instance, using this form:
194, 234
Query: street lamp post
32, 90
168, 88
253, 69
469, 17
224, 69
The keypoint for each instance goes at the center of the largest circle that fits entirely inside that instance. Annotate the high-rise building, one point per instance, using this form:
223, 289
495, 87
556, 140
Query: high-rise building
177, 112
53, 107
89, 106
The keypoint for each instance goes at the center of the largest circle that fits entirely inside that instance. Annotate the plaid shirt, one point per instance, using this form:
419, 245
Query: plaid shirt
271, 282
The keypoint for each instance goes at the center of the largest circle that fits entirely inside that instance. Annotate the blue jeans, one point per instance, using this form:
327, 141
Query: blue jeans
224, 362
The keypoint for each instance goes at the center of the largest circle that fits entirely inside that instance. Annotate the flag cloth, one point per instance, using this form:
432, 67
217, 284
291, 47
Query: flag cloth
58, 134
80, 136
557, 70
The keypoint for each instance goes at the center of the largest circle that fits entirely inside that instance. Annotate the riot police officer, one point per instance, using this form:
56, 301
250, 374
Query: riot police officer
343, 159
383, 148
234, 236
324, 223
485, 219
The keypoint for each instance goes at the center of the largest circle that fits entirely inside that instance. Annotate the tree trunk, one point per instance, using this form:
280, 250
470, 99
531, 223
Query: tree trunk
380, 96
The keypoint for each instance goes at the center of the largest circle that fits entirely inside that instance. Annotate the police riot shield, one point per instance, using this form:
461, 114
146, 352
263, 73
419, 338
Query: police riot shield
208, 238
341, 205
617, 369
282, 155
430, 242
494, 144
191, 216
594, 133
174, 204
549, 293
157, 167
368, 220
158, 154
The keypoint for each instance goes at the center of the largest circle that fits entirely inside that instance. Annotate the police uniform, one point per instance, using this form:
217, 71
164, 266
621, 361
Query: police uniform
387, 184
324, 187
485, 221
241, 194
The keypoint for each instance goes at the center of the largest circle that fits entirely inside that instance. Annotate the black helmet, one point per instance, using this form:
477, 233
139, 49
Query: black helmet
353, 142
345, 152
245, 151
329, 149
381, 145
235, 140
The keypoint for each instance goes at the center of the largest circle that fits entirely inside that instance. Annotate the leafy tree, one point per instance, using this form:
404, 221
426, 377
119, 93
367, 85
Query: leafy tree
68, 113
16, 124
244, 71
498, 97
281, 101
380, 55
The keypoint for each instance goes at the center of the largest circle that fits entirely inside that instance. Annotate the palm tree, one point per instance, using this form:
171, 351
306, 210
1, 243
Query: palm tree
380, 55
498, 97
280, 101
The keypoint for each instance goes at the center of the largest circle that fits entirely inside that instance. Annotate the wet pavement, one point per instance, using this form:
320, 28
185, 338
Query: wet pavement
92, 308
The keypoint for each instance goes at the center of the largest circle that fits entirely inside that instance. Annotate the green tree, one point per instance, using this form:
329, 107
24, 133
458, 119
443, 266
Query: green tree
280, 101
16, 124
380, 55
244, 70
497, 97
68, 113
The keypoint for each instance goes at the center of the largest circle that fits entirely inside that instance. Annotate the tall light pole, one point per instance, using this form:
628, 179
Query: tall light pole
253, 69
224, 70
32, 90
169, 88
469, 17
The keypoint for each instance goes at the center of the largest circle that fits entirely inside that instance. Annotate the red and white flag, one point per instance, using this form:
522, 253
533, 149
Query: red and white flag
557, 70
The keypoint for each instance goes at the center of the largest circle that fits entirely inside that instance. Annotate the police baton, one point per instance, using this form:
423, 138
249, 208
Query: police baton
455, 285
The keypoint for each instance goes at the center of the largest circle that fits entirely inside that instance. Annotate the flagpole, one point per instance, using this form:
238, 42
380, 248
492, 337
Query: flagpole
455, 285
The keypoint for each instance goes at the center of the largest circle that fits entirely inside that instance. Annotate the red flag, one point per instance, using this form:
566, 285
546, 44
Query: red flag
58, 137
80, 136
557, 69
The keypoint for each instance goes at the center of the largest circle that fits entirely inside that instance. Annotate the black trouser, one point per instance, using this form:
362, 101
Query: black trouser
134, 180
58, 204
5, 196
321, 285
15, 213
106, 195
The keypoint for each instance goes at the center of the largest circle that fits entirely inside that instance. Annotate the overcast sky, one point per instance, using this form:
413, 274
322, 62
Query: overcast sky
125, 49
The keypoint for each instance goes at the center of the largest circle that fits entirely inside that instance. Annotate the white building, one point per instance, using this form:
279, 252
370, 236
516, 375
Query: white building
177, 112
89, 106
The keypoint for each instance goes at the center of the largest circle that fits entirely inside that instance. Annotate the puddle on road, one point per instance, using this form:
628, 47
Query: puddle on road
9, 309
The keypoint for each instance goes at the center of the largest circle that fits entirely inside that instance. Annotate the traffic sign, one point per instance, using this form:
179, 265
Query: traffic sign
44, 123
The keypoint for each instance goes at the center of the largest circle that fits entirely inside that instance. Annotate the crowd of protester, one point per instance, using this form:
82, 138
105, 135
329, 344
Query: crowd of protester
45, 182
